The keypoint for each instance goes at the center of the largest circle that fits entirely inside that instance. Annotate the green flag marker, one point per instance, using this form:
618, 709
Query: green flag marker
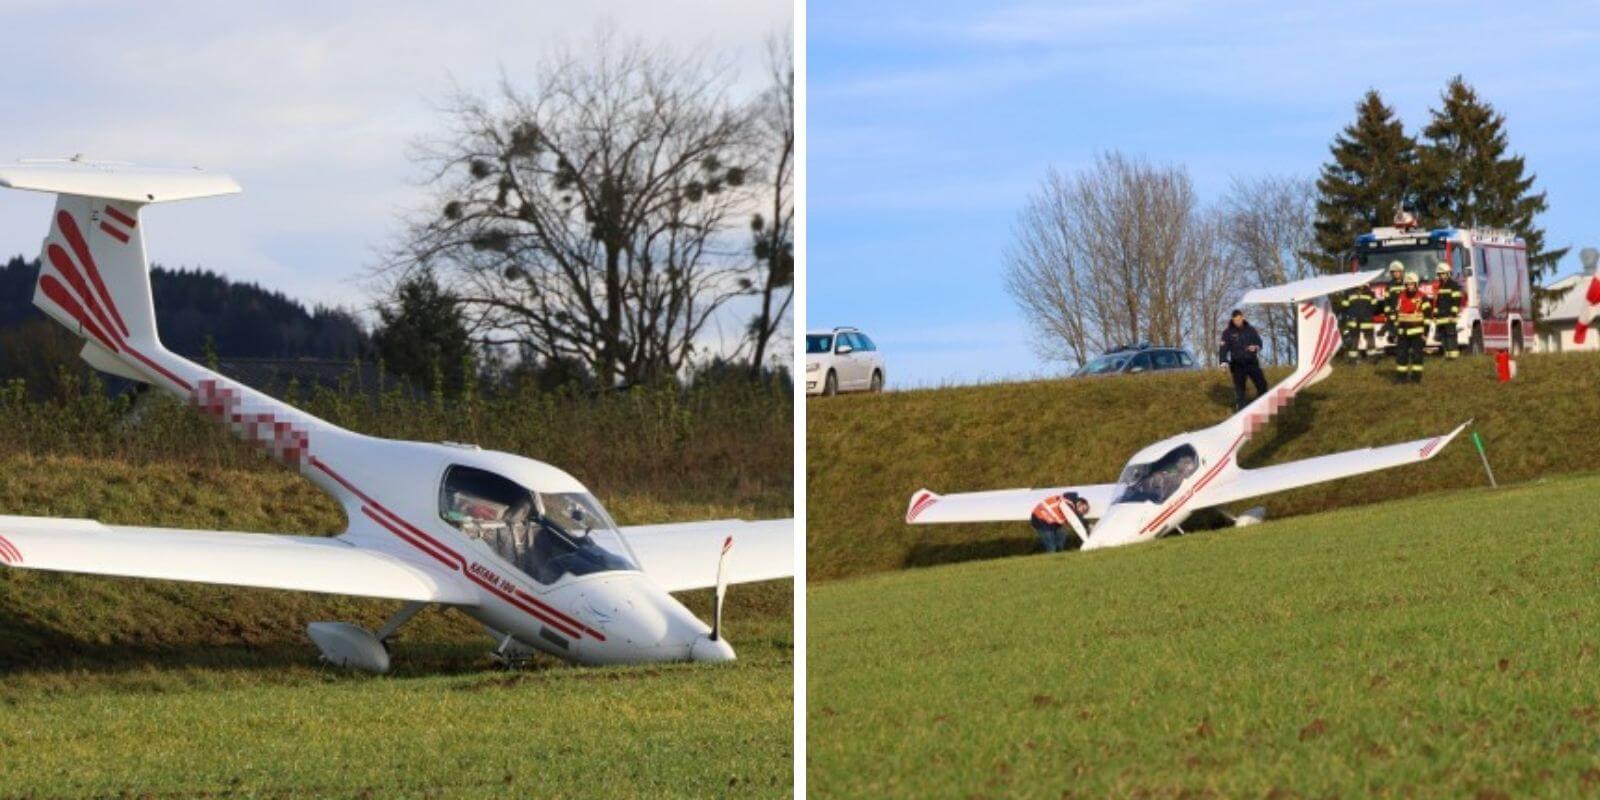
1477, 441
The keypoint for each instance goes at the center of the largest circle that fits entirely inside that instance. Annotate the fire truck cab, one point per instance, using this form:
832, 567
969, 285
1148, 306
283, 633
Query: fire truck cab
1491, 266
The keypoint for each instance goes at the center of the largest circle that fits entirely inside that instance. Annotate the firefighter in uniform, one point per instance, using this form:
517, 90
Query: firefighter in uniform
1447, 303
1411, 311
1356, 308
1397, 278
1050, 521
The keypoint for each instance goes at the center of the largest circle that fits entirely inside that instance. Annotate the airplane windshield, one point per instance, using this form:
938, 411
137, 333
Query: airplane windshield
1157, 480
546, 535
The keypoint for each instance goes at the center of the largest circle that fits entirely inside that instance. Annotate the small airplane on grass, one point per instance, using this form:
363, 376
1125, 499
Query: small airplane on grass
517, 544
1169, 480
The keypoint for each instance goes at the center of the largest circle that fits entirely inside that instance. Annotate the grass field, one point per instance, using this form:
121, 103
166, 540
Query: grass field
866, 454
124, 688
1440, 646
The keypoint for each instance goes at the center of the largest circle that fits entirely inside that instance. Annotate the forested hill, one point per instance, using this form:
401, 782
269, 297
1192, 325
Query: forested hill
243, 319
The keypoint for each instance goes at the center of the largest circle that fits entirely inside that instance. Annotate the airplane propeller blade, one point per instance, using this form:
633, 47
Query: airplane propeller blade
722, 589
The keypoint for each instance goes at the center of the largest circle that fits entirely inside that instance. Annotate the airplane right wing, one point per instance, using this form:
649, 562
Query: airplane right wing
1005, 505
682, 556
263, 560
1242, 484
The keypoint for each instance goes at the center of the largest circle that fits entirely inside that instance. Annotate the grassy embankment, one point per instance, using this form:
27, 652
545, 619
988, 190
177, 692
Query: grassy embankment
122, 687
866, 454
1438, 646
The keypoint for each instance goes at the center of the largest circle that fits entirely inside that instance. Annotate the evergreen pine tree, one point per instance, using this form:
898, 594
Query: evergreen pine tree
1370, 178
1469, 180
420, 333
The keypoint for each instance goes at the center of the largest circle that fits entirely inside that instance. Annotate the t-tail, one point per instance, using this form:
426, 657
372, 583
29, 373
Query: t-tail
93, 274
94, 278
1317, 336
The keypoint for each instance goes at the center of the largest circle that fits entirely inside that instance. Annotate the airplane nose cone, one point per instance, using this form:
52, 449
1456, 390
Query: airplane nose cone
642, 623
1120, 526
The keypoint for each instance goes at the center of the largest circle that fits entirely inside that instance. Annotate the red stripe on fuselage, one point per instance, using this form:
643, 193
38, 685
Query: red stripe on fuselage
497, 591
74, 237
460, 563
163, 370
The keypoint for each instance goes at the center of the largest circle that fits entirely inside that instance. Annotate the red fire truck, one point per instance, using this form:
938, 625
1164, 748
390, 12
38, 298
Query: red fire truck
1491, 266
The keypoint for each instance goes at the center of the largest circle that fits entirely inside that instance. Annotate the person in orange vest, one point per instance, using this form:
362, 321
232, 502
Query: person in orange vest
1412, 310
1058, 521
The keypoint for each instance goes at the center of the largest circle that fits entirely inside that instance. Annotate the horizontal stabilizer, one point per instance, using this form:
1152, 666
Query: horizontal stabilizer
1307, 289
124, 182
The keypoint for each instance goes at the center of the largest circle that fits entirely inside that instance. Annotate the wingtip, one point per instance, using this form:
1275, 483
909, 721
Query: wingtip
921, 499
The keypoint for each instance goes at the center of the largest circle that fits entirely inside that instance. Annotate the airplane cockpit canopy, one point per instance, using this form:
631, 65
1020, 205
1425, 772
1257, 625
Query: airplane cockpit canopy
1155, 481
546, 535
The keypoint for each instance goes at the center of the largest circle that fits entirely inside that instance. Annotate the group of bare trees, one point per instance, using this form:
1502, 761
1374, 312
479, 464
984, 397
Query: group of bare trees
1124, 252
606, 210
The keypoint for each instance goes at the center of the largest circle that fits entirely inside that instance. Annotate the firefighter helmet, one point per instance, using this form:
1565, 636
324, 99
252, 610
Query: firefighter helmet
1411, 279
1443, 268
1397, 266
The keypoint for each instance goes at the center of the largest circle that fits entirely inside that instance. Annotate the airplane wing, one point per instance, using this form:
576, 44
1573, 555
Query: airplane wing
1247, 483
264, 560
1005, 505
683, 556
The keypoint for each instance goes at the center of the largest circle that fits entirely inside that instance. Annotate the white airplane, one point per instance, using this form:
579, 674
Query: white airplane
517, 544
1169, 480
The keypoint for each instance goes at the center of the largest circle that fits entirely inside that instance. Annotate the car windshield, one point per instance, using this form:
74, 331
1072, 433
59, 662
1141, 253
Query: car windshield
819, 343
1155, 481
1103, 365
546, 535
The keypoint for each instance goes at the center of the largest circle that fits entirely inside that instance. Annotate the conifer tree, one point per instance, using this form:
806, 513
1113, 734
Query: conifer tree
1467, 178
1371, 177
422, 336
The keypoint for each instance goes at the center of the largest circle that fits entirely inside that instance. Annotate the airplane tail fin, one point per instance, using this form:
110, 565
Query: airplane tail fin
1317, 330
94, 277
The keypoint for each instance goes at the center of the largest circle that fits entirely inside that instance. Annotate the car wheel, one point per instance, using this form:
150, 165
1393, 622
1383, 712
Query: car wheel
830, 385
877, 382
1475, 344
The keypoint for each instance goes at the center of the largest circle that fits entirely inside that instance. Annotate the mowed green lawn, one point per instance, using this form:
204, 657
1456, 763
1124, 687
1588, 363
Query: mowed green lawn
1440, 646
125, 688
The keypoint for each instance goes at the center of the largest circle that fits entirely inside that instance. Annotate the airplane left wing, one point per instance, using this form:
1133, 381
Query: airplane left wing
683, 556
1242, 484
1004, 505
263, 560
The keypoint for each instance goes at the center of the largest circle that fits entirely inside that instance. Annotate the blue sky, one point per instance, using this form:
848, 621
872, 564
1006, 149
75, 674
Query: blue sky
310, 105
929, 123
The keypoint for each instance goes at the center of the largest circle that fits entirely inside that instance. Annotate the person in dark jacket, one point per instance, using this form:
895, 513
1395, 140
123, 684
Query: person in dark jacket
1357, 309
1241, 351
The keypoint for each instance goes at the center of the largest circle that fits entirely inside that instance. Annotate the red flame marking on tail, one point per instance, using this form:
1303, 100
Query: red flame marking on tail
74, 237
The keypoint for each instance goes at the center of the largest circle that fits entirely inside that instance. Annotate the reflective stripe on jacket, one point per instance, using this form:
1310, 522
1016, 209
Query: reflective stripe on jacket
1448, 300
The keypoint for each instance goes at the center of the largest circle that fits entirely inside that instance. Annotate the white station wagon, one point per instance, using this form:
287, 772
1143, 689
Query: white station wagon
842, 360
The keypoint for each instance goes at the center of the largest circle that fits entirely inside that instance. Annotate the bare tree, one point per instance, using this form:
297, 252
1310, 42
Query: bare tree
774, 231
1269, 228
1116, 254
587, 218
